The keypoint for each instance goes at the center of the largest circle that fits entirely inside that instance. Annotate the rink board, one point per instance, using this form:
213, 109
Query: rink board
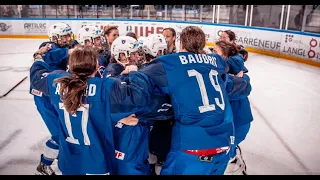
297, 46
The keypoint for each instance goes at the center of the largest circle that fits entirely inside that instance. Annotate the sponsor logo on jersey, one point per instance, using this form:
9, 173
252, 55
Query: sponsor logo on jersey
36, 92
206, 158
120, 155
168, 106
119, 125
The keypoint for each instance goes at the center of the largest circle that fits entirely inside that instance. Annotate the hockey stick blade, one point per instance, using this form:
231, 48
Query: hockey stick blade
13, 87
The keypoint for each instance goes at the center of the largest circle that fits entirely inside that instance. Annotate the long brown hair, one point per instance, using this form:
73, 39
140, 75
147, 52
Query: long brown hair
108, 29
193, 39
231, 34
228, 49
82, 64
232, 37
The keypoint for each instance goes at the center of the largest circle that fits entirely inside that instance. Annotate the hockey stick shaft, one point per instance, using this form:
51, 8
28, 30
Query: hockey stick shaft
14, 87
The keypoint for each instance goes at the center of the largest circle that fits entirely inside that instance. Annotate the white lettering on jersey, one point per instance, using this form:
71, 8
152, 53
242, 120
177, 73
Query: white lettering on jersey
191, 59
212, 60
92, 90
120, 155
205, 59
183, 59
58, 89
198, 58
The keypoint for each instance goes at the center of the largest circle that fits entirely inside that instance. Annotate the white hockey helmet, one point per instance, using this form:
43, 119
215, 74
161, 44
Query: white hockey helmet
155, 43
89, 32
141, 39
58, 30
125, 45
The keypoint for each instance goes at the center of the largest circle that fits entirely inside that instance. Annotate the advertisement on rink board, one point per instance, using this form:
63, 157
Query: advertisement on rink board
147, 28
270, 41
101, 24
35, 27
302, 46
5, 27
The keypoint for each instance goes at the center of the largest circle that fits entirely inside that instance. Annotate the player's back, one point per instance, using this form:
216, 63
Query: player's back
86, 142
198, 97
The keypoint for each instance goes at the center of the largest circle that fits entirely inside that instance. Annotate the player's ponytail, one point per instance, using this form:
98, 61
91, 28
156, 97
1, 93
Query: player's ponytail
83, 64
228, 49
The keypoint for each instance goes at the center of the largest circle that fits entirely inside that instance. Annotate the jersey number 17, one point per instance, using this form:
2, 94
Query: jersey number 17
84, 123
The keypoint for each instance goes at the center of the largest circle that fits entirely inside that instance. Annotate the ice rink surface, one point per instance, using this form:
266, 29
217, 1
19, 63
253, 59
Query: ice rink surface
283, 138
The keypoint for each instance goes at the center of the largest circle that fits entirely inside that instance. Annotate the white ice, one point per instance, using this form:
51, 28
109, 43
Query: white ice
283, 138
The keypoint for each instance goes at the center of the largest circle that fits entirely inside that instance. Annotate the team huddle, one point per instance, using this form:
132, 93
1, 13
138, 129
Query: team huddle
127, 105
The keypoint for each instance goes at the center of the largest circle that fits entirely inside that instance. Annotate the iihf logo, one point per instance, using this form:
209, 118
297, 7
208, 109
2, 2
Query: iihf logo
288, 38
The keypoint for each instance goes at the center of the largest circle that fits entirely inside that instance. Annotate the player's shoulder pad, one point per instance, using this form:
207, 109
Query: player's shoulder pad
58, 73
237, 57
114, 69
156, 72
222, 65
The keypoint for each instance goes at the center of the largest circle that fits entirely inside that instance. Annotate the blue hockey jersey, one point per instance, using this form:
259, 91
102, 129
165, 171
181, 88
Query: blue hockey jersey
57, 60
113, 70
236, 64
200, 105
131, 142
86, 138
240, 104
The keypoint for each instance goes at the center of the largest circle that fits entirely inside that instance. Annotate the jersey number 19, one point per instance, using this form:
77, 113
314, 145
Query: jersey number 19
203, 91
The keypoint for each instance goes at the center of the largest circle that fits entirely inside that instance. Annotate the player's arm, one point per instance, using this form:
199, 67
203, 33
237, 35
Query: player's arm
102, 67
126, 99
237, 65
159, 108
39, 72
240, 63
136, 93
157, 74
238, 88
111, 71
57, 56
142, 84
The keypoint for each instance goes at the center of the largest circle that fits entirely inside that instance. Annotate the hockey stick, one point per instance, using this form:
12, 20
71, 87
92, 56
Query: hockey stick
13, 87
